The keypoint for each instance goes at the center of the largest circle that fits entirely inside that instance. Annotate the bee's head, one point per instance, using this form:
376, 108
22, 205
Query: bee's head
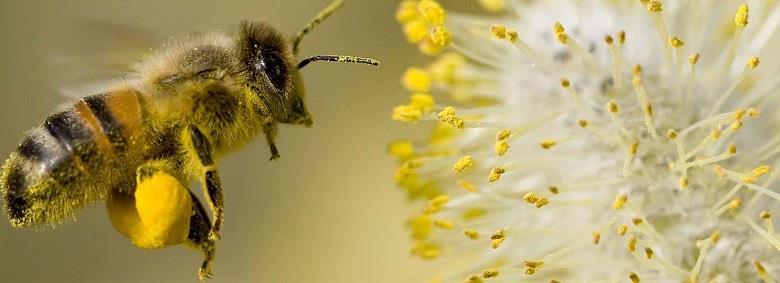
271, 72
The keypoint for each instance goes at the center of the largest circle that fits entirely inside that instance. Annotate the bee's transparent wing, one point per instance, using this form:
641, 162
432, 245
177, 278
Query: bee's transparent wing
96, 54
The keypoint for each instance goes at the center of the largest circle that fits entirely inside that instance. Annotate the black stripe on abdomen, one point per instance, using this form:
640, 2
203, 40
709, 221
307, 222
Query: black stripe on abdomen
67, 129
16, 185
111, 127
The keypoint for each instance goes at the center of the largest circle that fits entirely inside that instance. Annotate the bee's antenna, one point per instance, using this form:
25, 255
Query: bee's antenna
338, 58
321, 16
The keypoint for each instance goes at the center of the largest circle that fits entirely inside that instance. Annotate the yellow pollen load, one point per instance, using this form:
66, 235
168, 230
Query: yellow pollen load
634, 278
655, 6
416, 80
622, 229
741, 18
489, 273
471, 234
498, 31
468, 186
620, 201
407, 11
675, 42
753, 62
440, 35
548, 143
463, 164
495, 174
432, 12
596, 238
694, 58
493, 5
401, 149
406, 113
448, 116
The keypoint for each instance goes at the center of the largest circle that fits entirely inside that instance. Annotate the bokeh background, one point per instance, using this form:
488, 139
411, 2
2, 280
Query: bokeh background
327, 211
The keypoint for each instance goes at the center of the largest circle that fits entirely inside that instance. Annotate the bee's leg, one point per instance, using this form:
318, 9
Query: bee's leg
269, 130
198, 237
212, 187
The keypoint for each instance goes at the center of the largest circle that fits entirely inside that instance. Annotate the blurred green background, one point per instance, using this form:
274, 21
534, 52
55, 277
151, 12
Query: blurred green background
327, 211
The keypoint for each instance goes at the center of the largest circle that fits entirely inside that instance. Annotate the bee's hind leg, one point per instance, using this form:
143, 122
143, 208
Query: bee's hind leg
198, 237
212, 186
269, 130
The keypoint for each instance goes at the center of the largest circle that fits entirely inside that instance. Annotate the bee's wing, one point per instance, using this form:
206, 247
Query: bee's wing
97, 53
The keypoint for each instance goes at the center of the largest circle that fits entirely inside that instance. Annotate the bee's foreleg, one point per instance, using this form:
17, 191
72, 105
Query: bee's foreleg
269, 130
212, 187
198, 237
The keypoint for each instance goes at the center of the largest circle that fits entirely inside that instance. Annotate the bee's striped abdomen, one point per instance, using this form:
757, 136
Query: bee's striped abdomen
74, 158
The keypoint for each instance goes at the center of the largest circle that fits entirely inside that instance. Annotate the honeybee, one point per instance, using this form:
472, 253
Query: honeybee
139, 144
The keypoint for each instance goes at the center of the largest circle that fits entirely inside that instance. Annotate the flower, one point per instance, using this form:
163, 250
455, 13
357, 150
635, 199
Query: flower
594, 141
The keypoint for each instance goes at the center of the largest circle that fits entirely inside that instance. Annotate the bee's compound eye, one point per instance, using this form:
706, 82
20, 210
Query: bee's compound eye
271, 63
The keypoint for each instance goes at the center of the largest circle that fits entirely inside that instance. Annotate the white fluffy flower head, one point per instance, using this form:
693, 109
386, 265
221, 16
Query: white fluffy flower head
595, 141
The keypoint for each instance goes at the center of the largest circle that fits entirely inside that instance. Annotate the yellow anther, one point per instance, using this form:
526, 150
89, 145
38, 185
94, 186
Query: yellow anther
741, 18
432, 12
474, 279
735, 203
671, 134
761, 170
715, 236
471, 234
426, 250
749, 179
612, 107
440, 36
493, 5
401, 149
463, 164
739, 114
439, 201
407, 11
503, 134
496, 173
498, 31
448, 116
649, 253
553, 189
620, 201
655, 6
565, 83
473, 213
631, 245
735, 126
420, 226
497, 238
596, 237
496, 243
446, 67
427, 47
560, 33
719, 171
548, 143
634, 278
753, 62
622, 229
582, 123
501, 147
542, 202
636, 70
715, 133
512, 36
489, 273
416, 80
415, 30
534, 263
468, 186
622, 37
683, 182
732, 149
558, 27
422, 101
752, 112
694, 58
760, 269
633, 148
531, 197
555, 281
675, 42
406, 113
608, 39
637, 221
444, 224
765, 215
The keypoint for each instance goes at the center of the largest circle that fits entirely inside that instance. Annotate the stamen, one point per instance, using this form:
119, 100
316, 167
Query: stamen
752, 64
644, 102
654, 9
